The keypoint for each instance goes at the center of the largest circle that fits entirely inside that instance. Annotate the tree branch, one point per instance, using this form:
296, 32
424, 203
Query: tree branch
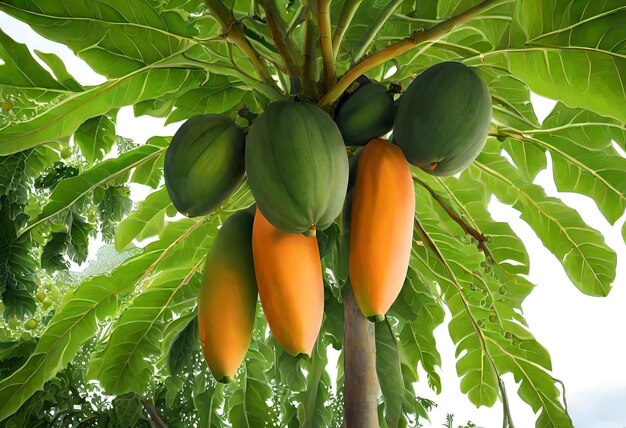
231, 31
154, 414
432, 34
373, 29
345, 18
323, 20
284, 45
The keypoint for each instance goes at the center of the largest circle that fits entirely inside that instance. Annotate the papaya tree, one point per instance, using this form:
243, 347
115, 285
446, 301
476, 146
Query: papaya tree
127, 325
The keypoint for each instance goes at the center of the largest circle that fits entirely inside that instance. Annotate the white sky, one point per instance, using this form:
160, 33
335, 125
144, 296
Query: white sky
584, 335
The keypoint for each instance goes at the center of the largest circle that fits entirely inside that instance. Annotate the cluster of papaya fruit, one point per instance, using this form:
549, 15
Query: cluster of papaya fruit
295, 158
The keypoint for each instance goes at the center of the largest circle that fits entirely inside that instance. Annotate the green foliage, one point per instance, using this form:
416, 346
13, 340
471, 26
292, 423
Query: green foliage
128, 321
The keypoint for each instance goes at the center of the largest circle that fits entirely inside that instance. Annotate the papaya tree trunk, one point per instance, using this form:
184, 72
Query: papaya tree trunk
359, 365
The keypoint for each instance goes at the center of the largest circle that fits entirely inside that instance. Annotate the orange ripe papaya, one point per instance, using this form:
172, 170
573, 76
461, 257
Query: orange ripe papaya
381, 233
289, 276
228, 296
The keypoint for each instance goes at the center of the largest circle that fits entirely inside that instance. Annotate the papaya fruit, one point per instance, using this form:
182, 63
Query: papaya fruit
443, 118
381, 227
291, 289
365, 114
297, 167
204, 163
228, 297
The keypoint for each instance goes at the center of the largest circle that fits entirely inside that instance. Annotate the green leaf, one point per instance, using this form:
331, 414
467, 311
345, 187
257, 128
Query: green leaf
95, 137
57, 66
69, 191
207, 403
107, 38
313, 411
572, 52
417, 340
124, 363
187, 343
587, 260
247, 404
150, 173
63, 118
583, 158
113, 205
76, 321
218, 95
146, 221
389, 373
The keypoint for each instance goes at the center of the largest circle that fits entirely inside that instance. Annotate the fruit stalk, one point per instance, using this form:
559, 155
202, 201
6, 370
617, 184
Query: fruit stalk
359, 366
434, 33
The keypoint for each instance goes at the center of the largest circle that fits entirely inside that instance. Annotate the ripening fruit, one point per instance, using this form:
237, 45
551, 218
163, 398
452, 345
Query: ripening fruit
289, 276
381, 229
204, 163
297, 167
40, 295
443, 118
228, 296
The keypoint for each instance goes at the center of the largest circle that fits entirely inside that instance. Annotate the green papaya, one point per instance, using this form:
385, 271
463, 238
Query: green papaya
297, 167
365, 114
443, 118
228, 297
204, 163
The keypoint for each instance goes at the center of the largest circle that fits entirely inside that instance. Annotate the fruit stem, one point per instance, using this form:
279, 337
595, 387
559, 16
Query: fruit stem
359, 366
433, 33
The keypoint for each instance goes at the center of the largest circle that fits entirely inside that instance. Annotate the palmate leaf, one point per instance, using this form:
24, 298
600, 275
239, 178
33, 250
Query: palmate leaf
125, 362
150, 173
247, 405
485, 303
583, 158
587, 260
570, 51
419, 313
145, 221
218, 95
76, 320
476, 329
114, 41
389, 371
69, 191
313, 410
96, 137
63, 118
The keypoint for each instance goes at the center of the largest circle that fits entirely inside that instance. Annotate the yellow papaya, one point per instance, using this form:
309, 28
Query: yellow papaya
289, 277
381, 231
227, 299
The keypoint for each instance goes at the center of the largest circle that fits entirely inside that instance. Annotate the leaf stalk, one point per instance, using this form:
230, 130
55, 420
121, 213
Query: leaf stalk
433, 33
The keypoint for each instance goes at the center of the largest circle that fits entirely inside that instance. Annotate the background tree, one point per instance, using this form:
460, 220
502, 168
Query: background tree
129, 322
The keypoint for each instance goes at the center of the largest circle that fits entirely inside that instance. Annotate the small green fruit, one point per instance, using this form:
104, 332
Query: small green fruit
31, 324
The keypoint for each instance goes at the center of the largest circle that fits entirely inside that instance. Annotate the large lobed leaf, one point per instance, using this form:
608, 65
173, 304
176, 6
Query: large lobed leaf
587, 260
571, 51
